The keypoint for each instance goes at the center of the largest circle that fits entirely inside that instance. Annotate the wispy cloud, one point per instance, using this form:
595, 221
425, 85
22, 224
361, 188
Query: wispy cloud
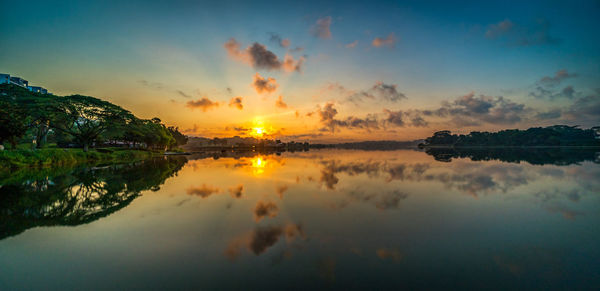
389, 41
519, 35
322, 28
279, 103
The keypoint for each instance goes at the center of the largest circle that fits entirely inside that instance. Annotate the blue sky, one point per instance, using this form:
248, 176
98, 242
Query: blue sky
154, 57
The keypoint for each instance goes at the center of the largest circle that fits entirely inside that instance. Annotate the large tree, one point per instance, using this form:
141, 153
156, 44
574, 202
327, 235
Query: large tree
87, 118
13, 122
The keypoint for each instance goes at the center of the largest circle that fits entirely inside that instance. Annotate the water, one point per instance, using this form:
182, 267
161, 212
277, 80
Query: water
336, 219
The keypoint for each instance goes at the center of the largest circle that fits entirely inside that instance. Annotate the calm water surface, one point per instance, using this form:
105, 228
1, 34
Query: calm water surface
335, 219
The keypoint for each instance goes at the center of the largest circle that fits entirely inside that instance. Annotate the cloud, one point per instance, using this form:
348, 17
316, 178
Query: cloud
291, 65
183, 94
352, 44
545, 88
236, 102
321, 28
203, 191
279, 103
382, 91
259, 57
389, 254
280, 189
517, 35
499, 29
558, 77
236, 191
389, 41
265, 209
585, 110
204, 104
471, 110
262, 238
550, 114
327, 119
261, 84
162, 87
282, 42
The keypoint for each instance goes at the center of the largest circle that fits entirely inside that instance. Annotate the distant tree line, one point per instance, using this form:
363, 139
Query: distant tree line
556, 135
77, 120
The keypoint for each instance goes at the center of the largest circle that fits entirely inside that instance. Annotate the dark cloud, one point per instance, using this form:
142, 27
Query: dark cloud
282, 42
518, 35
550, 114
236, 102
259, 57
204, 104
261, 84
321, 28
203, 191
470, 110
279, 103
327, 119
558, 77
183, 94
545, 88
262, 58
265, 209
264, 237
585, 110
389, 41
382, 91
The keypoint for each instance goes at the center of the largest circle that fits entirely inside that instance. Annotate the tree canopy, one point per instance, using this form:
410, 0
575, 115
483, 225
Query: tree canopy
78, 120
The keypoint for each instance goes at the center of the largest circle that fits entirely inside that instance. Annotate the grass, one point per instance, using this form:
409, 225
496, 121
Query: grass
58, 157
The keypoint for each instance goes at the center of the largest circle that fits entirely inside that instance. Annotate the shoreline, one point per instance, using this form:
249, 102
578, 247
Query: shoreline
12, 160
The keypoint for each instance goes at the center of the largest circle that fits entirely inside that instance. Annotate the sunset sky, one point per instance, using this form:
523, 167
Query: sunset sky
324, 72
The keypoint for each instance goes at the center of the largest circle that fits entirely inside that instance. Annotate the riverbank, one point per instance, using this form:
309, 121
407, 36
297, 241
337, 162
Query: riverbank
59, 157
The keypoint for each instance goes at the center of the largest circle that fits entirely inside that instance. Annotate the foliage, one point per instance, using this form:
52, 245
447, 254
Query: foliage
77, 120
63, 157
78, 196
557, 135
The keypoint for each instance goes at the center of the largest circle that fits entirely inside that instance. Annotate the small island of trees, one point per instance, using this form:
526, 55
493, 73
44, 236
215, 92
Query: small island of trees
551, 136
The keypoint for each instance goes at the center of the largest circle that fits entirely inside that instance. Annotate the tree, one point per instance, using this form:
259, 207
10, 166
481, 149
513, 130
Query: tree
13, 122
87, 118
180, 138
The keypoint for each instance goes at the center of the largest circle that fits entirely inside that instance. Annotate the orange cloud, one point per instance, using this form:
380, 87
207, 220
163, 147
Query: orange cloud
280, 190
236, 102
389, 41
236, 192
261, 84
279, 103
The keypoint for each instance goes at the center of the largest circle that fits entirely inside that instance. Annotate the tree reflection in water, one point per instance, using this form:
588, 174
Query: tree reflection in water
39, 198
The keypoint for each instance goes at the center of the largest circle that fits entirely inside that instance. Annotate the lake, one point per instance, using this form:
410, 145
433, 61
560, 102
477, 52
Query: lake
321, 219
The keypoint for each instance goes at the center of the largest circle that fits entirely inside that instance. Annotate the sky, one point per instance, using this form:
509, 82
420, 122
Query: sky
310, 70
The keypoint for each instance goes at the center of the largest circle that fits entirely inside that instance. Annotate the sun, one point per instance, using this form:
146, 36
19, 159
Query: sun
259, 131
